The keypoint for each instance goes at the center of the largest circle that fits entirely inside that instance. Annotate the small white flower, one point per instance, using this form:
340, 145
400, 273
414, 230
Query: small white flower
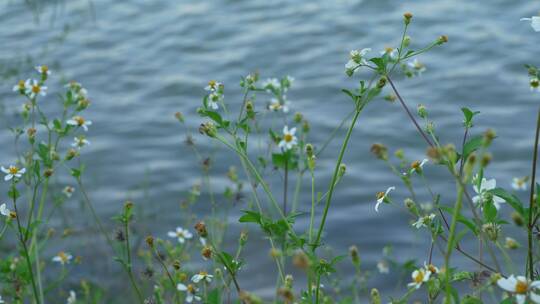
351, 65
213, 100
391, 52
180, 233
68, 191
382, 266
483, 194
521, 287
290, 79
20, 87
276, 106
12, 171
213, 86
190, 292
289, 139
203, 241
202, 276
519, 183
419, 277
383, 196
33, 88
43, 69
79, 121
4, 210
63, 258
1, 300
431, 268
417, 166
423, 221
80, 141
417, 66
357, 56
72, 299
535, 22
271, 83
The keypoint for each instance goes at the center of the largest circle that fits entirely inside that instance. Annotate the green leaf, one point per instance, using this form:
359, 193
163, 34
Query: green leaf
511, 199
490, 212
469, 115
472, 145
250, 217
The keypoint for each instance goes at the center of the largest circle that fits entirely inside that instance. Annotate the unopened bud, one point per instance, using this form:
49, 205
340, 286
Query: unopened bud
179, 116
150, 241
298, 117
442, 39
355, 257
381, 83
510, 243
48, 172
489, 135
206, 252
407, 41
380, 151
486, 159
375, 296
491, 230
176, 265
407, 17
518, 219
422, 111
208, 128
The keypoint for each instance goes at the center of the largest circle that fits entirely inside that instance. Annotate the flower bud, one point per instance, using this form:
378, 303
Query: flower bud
150, 241
491, 230
289, 281
442, 39
486, 159
71, 153
407, 17
399, 154
381, 83
208, 128
375, 296
305, 126
518, 219
201, 229
407, 41
422, 111
275, 253
489, 135
48, 172
243, 238
342, 170
355, 257
298, 117
176, 265
380, 151
510, 243
31, 132
300, 260
434, 154
179, 116
411, 206
206, 252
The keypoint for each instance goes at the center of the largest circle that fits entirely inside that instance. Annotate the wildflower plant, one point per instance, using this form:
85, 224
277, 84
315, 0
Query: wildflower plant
193, 260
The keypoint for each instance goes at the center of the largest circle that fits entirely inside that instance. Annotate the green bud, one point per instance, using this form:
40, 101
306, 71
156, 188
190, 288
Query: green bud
375, 296
406, 41
422, 111
518, 219
407, 17
298, 117
491, 230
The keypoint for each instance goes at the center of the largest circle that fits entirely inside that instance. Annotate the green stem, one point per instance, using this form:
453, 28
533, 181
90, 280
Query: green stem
530, 226
128, 264
451, 240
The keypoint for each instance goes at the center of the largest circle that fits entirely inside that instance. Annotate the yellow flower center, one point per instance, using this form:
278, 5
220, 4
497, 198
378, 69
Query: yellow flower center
79, 120
288, 137
419, 278
388, 50
418, 65
44, 69
203, 273
13, 170
521, 287
63, 257
212, 83
380, 195
432, 268
36, 89
21, 85
191, 288
415, 164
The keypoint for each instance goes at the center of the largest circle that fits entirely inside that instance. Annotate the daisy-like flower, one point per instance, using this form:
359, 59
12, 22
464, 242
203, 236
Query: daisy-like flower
482, 192
213, 101
289, 140
68, 191
391, 52
520, 183
417, 66
382, 266
276, 106
79, 121
80, 141
202, 276
356, 58
77, 89
63, 258
383, 197
213, 86
535, 22
180, 233
33, 88
43, 69
271, 83
13, 172
431, 268
72, 299
535, 84
424, 221
419, 277
521, 288
191, 292
4, 210
20, 87
416, 166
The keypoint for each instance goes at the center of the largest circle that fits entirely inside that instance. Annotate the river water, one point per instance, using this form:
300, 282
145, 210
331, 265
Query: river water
141, 61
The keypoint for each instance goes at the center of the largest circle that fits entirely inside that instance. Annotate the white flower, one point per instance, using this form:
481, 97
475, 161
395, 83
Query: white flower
351, 65
419, 276
271, 83
417, 66
62, 258
80, 141
357, 56
213, 86
382, 196
276, 106
519, 183
1, 300
382, 266
391, 52
180, 233
423, 221
203, 241
483, 194
213, 100
535, 22
72, 299
43, 69
77, 89
4, 210
190, 292
417, 166
202, 276
20, 86
33, 88
13, 171
68, 191
79, 121
521, 287
289, 139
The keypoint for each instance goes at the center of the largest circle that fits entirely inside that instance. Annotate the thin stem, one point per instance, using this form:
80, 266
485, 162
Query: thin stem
530, 226
285, 187
451, 240
128, 264
160, 260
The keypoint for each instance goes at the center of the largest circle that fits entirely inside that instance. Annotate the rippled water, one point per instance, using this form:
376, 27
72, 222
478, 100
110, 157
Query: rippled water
144, 60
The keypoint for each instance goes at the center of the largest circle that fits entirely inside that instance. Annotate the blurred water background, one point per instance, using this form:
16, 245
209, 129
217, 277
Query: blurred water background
141, 61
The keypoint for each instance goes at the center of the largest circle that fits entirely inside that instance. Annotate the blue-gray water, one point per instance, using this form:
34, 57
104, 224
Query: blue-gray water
144, 60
